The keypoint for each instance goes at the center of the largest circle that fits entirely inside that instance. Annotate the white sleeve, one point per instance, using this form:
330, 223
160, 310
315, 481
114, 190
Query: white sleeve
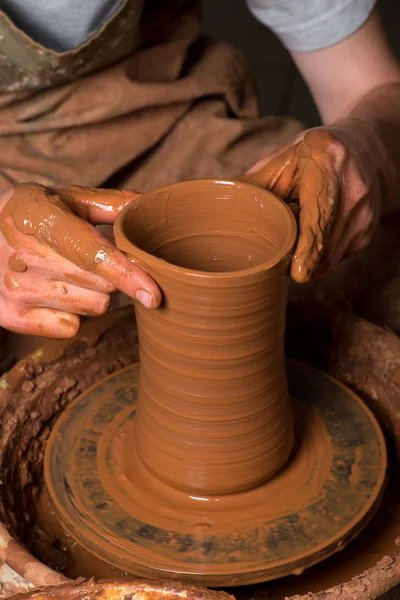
306, 25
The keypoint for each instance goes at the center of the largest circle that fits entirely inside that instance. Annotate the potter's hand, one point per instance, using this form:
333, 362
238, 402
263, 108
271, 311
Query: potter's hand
54, 265
335, 178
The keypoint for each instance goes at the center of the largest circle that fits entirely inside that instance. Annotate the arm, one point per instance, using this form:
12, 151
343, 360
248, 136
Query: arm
344, 175
342, 76
359, 78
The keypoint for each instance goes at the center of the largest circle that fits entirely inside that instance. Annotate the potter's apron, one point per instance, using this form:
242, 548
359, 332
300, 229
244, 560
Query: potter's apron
144, 102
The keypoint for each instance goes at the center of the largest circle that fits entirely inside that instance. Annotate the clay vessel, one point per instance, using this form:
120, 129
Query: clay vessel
213, 411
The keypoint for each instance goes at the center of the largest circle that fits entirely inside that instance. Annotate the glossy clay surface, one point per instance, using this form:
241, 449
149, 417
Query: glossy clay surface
213, 413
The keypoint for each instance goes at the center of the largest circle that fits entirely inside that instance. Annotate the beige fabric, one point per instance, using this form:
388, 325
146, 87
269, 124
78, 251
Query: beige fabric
181, 106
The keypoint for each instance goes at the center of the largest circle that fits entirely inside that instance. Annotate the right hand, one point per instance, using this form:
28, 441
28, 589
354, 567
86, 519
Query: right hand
55, 265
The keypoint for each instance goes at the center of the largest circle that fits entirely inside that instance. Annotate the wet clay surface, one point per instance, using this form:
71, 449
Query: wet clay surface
55, 546
17, 264
90, 359
47, 216
213, 414
123, 514
32, 396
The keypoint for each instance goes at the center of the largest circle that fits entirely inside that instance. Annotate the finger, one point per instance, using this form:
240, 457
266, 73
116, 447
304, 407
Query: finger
40, 321
279, 174
263, 162
130, 279
75, 240
96, 205
272, 155
72, 299
356, 233
85, 279
23, 289
44, 260
93, 252
319, 196
340, 252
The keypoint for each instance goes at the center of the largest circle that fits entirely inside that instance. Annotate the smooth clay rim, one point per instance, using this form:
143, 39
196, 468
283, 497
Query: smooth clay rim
144, 258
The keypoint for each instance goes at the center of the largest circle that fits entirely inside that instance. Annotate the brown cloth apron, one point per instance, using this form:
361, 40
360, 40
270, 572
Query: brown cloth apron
137, 106
141, 104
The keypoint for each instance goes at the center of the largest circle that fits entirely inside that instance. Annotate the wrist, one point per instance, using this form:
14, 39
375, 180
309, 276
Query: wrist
365, 134
380, 108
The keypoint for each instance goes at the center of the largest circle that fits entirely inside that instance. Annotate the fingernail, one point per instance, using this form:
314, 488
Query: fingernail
144, 298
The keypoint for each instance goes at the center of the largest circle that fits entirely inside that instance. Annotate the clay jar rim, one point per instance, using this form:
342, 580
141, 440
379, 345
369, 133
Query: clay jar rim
143, 258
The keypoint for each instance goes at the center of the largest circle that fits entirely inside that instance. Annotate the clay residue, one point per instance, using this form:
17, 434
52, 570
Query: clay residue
23, 438
17, 264
56, 547
135, 590
48, 215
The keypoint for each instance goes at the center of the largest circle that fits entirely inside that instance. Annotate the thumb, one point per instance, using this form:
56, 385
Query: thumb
96, 205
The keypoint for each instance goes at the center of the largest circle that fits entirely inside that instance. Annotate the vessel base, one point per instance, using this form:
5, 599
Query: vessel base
326, 493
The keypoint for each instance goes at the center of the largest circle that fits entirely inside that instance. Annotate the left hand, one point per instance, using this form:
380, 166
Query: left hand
337, 178
55, 266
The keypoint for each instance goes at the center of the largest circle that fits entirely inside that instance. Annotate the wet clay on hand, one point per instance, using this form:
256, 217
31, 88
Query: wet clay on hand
48, 215
335, 178
213, 413
17, 264
55, 265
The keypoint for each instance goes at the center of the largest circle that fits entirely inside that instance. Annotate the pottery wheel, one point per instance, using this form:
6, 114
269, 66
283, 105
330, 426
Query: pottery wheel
327, 492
